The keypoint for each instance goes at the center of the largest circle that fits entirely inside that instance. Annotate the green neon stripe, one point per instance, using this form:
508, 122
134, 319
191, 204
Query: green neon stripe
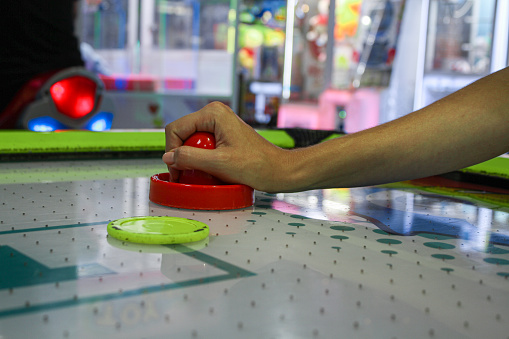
25, 142
49, 228
233, 272
333, 136
495, 167
278, 137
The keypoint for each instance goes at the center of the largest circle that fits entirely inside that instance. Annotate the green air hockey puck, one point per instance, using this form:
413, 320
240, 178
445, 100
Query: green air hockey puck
158, 230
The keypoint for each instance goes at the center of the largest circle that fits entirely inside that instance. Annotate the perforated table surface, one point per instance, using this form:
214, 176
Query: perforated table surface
409, 260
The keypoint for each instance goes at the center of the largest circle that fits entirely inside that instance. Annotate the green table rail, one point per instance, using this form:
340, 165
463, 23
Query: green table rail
29, 146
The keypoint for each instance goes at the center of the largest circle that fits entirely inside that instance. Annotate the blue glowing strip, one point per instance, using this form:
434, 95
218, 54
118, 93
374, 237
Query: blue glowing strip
45, 124
100, 122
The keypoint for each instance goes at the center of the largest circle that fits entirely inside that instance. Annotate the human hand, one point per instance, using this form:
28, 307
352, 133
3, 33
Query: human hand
241, 156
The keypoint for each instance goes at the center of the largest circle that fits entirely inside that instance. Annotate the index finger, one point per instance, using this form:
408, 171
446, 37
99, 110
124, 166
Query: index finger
203, 120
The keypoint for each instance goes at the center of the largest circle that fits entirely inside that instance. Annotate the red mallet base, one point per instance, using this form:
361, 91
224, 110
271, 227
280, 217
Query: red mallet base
199, 197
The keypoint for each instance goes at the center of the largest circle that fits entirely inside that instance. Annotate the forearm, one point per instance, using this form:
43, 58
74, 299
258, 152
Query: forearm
465, 128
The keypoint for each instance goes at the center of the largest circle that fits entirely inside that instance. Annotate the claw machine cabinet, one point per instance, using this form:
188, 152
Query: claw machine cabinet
161, 59
260, 60
464, 41
340, 63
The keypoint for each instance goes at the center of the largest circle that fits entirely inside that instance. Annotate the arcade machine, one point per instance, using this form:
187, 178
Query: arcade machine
464, 41
94, 243
260, 66
342, 63
160, 59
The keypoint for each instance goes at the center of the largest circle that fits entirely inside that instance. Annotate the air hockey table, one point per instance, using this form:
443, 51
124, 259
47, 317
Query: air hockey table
419, 259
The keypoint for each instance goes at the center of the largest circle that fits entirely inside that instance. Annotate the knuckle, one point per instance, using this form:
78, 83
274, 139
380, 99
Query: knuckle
168, 128
223, 158
217, 108
216, 105
181, 157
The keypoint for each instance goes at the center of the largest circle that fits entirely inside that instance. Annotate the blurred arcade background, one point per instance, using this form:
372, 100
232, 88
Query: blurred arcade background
343, 65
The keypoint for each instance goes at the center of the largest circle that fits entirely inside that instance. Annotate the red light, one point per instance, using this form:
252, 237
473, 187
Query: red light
74, 96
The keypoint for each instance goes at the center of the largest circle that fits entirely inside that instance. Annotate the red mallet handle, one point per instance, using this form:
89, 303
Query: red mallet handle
194, 177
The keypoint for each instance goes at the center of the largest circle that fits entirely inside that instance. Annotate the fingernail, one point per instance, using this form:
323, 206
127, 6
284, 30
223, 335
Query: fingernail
169, 157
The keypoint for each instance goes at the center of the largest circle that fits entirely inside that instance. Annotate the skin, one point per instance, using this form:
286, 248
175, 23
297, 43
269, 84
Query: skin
465, 128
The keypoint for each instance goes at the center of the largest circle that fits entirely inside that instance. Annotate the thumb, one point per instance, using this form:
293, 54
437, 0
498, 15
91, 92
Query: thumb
187, 157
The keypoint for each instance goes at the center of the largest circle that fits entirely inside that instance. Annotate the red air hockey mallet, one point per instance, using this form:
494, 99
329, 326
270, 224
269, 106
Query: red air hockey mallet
195, 177
199, 190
